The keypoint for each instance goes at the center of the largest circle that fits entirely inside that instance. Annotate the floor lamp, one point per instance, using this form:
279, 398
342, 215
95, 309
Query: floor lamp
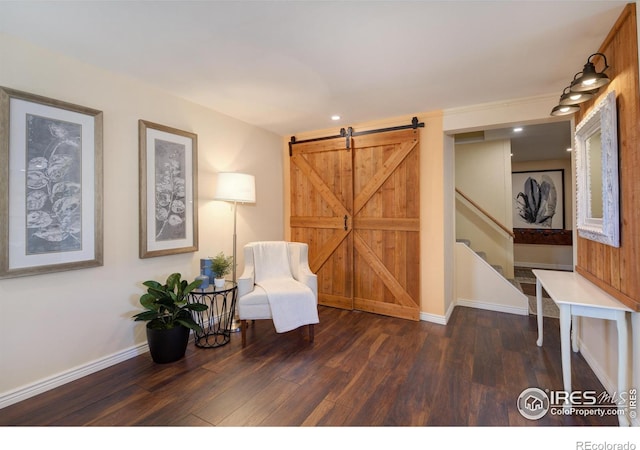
237, 188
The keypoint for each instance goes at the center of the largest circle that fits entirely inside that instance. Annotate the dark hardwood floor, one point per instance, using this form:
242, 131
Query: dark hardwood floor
362, 370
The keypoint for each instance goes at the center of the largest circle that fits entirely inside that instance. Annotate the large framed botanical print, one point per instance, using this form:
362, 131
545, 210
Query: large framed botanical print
50, 185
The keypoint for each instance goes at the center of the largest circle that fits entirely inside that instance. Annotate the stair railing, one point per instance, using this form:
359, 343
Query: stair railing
486, 214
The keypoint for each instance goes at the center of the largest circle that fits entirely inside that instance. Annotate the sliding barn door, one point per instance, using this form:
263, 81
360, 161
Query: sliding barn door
321, 205
386, 224
358, 209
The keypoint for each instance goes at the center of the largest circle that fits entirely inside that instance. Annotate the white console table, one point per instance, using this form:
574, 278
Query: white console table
576, 296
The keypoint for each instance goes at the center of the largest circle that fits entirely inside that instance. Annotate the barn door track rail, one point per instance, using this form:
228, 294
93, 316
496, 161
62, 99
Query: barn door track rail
348, 133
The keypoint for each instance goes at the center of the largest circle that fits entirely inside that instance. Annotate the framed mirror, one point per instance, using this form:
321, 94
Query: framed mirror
596, 147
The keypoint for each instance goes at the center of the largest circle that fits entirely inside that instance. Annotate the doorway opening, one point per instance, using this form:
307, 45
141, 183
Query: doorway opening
504, 171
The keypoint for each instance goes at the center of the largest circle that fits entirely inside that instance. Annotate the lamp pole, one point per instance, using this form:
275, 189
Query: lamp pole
235, 187
235, 210
235, 325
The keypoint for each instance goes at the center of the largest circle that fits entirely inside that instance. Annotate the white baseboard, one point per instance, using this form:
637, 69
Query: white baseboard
611, 386
55, 381
436, 318
433, 318
534, 265
450, 309
443, 320
493, 307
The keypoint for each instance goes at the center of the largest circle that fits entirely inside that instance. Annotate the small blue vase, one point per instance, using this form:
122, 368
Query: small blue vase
205, 281
205, 269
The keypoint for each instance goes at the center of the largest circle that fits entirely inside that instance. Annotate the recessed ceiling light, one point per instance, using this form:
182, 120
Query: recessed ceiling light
335, 117
517, 129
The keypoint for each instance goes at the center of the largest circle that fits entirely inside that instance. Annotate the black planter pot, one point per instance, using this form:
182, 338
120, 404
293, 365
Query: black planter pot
167, 346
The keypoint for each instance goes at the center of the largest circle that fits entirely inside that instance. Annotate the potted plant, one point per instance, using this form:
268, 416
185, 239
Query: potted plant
221, 265
168, 316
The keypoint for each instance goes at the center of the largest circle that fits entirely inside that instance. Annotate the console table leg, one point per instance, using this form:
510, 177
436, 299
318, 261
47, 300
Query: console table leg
575, 333
539, 311
623, 349
565, 344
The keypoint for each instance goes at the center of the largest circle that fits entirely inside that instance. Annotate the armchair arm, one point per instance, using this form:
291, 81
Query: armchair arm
245, 285
310, 279
299, 261
247, 279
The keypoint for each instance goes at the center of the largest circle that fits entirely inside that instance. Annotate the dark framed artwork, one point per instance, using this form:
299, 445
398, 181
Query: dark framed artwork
50, 185
168, 190
538, 199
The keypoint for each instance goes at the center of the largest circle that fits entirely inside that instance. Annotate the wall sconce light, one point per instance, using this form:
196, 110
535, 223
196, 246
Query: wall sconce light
583, 87
564, 110
590, 79
575, 98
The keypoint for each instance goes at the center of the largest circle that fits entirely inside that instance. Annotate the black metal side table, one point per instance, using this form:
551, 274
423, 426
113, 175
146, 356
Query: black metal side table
217, 319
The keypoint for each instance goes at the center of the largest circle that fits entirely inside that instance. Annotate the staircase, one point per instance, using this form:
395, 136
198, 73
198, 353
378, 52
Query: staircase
480, 284
483, 255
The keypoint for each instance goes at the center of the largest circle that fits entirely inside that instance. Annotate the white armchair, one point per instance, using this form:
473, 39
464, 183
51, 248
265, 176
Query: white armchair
277, 284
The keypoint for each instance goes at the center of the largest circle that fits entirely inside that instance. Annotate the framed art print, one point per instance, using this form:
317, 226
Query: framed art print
50, 185
538, 199
168, 190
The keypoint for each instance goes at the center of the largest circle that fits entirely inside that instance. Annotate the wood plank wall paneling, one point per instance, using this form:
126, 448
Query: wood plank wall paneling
616, 270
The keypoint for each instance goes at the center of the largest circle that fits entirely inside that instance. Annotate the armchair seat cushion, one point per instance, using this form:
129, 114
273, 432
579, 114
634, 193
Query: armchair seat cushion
292, 303
254, 305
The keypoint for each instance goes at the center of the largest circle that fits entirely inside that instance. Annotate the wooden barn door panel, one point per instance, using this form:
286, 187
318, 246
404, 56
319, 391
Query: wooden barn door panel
387, 224
321, 204
372, 190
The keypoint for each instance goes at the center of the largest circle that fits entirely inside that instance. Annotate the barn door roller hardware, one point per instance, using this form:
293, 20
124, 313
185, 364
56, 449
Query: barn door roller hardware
349, 133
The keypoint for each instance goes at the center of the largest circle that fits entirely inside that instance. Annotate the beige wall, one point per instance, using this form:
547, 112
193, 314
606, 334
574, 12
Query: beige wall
543, 256
483, 173
52, 324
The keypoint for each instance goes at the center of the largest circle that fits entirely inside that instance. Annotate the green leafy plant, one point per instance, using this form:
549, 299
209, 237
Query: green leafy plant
166, 305
221, 265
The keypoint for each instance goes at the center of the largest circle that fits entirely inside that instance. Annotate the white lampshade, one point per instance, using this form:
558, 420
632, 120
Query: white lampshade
236, 187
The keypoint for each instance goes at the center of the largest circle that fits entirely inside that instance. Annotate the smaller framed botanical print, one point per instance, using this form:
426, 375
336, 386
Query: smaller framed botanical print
168, 190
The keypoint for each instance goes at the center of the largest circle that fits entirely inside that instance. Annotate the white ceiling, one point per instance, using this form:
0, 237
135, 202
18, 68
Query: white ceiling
532, 143
287, 66
540, 142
